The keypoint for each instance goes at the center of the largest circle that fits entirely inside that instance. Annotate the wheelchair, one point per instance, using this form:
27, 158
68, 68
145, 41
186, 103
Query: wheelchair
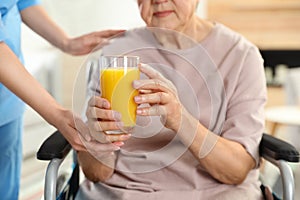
55, 149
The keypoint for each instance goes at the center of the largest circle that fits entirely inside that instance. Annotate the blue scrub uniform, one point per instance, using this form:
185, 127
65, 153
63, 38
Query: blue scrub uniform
11, 107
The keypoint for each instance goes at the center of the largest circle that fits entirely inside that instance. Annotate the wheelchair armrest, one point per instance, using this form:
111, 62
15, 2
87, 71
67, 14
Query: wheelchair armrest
55, 146
277, 149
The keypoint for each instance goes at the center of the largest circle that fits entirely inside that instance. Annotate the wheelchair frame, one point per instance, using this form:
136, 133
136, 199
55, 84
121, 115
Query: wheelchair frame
55, 149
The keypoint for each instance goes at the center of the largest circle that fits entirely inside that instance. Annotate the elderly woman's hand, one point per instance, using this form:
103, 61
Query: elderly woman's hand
98, 164
101, 118
161, 95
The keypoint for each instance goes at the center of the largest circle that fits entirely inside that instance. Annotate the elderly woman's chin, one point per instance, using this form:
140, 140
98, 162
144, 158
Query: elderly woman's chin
168, 22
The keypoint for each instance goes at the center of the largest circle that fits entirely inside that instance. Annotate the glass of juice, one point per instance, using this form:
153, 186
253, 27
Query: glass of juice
116, 76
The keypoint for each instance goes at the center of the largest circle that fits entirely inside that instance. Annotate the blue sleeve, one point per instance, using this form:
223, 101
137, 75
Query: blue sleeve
2, 32
22, 4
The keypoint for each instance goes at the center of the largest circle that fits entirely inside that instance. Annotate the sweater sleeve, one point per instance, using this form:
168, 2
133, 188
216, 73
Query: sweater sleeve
245, 115
2, 31
22, 4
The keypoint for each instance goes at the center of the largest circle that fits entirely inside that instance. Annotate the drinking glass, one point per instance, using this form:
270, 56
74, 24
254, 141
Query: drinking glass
116, 76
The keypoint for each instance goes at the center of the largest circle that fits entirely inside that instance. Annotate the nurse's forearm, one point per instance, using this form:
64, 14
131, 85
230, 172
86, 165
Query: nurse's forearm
15, 77
36, 18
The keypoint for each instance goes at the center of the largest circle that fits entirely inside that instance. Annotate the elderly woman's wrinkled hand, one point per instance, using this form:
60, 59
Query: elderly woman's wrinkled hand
161, 96
100, 119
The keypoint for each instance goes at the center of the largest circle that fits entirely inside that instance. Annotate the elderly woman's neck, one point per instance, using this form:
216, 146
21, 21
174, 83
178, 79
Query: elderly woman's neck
187, 37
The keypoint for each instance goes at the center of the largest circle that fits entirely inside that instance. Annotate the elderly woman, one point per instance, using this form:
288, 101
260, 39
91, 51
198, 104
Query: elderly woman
200, 115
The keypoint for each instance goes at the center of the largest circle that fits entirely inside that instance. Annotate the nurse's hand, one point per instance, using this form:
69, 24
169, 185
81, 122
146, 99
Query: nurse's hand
161, 95
79, 136
77, 133
89, 42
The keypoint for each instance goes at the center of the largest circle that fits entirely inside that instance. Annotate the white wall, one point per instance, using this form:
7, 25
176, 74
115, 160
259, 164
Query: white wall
81, 16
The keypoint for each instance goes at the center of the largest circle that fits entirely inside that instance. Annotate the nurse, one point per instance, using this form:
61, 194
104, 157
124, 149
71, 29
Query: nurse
14, 79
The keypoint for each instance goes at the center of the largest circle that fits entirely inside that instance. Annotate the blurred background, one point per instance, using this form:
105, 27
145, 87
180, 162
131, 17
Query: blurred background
273, 25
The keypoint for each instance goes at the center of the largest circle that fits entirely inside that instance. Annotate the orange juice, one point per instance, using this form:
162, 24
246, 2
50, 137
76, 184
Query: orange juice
116, 87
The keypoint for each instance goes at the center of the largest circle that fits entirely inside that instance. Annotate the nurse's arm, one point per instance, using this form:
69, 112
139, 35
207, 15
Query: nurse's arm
18, 80
36, 18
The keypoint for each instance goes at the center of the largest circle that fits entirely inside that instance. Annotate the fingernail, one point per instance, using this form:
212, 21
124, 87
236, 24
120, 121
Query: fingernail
139, 112
105, 104
136, 84
137, 99
116, 148
117, 115
120, 124
125, 136
105, 41
119, 144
